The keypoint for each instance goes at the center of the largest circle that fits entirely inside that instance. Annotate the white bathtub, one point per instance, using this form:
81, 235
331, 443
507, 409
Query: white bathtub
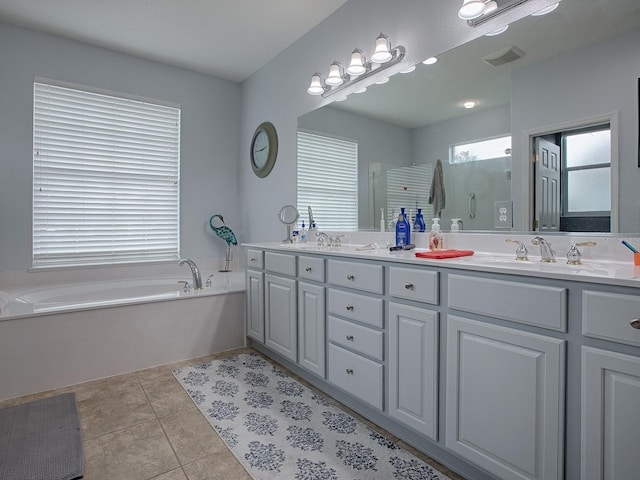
51, 337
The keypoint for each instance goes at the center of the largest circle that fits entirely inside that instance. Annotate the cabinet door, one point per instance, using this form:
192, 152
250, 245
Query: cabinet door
311, 327
280, 316
255, 305
413, 367
610, 419
505, 399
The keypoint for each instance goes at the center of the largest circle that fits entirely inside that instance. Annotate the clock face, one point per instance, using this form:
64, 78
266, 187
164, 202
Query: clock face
260, 149
264, 149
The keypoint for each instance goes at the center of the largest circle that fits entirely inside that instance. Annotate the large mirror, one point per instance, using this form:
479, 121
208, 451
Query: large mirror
567, 76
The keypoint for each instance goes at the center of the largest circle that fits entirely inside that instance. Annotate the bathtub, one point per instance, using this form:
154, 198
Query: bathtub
52, 337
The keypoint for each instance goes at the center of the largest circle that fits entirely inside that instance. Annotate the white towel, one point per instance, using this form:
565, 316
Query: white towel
4, 301
437, 195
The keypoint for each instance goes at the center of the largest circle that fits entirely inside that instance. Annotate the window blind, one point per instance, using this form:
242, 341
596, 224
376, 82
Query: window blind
105, 179
328, 180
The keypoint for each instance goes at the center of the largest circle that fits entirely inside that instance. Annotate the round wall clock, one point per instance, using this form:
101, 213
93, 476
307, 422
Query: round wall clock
264, 149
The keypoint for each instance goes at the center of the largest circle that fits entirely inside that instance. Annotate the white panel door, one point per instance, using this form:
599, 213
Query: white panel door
311, 328
505, 399
610, 419
255, 305
413, 368
281, 333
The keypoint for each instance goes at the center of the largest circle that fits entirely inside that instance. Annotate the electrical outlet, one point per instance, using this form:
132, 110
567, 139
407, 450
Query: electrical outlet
503, 214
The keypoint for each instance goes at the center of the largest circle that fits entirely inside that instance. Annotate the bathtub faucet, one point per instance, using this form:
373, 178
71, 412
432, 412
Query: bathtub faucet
197, 280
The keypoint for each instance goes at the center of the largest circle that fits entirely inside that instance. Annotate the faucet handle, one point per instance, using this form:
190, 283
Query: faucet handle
208, 284
187, 286
521, 251
574, 257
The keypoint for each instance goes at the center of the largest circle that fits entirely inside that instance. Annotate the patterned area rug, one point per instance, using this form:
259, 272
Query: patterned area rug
278, 428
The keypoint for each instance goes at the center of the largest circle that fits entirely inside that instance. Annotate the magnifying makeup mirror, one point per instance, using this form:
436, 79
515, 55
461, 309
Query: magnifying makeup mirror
288, 215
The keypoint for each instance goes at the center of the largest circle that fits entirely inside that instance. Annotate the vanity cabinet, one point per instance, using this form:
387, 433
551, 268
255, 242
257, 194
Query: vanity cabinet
255, 295
505, 399
281, 315
610, 388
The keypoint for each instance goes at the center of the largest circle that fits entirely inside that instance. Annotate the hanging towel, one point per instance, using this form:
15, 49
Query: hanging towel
436, 195
450, 253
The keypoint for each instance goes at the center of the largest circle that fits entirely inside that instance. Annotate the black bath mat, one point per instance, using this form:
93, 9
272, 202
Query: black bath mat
41, 440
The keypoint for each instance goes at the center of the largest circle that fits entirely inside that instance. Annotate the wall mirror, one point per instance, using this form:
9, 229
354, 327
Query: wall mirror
575, 68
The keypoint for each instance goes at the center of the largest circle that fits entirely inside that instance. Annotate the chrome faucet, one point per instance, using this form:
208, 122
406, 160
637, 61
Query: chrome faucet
323, 239
547, 254
197, 280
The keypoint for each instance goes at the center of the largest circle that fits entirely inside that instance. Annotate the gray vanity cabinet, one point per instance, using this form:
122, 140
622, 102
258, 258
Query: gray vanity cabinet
311, 314
610, 388
255, 295
281, 315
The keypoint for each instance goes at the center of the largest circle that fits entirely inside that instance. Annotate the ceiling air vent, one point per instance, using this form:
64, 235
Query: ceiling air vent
506, 55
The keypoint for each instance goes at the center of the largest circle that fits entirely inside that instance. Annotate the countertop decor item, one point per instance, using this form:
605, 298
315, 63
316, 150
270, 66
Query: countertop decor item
264, 149
226, 234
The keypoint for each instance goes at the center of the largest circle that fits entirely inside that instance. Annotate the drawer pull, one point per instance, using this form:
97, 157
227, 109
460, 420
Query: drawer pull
350, 338
308, 269
252, 259
408, 286
635, 323
349, 371
351, 277
350, 308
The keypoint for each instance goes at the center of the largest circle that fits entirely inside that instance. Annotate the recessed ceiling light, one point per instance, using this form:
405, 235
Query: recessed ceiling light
430, 60
469, 104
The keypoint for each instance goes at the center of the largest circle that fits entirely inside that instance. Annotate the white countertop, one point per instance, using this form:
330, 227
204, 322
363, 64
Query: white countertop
607, 272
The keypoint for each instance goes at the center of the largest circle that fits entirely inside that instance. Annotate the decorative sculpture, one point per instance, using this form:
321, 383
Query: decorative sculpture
227, 235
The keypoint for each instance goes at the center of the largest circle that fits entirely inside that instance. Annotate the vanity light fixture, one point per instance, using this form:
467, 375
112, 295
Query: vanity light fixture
478, 12
471, 9
359, 68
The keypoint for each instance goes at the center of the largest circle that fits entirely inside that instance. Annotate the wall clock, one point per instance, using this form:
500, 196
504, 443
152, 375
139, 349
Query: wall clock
264, 149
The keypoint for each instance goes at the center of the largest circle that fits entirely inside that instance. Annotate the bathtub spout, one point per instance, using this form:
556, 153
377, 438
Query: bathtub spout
197, 280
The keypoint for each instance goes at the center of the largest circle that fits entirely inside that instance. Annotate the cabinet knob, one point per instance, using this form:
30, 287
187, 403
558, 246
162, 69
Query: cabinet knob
350, 338
408, 286
308, 269
252, 259
350, 308
635, 323
351, 277
349, 371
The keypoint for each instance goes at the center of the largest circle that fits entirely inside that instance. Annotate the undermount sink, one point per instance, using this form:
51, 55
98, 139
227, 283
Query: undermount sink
534, 264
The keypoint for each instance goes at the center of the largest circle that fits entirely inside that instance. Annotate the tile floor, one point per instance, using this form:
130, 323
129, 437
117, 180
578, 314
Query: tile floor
143, 426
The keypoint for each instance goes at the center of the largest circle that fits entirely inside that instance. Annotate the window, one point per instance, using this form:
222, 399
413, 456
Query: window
489, 149
587, 171
105, 178
328, 180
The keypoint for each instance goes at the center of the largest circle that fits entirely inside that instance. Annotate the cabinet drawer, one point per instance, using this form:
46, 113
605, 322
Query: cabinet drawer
311, 268
356, 337
361, 276
608, 316
414, 284
255, 258
357, 375
280, 263
519, 302
356, 307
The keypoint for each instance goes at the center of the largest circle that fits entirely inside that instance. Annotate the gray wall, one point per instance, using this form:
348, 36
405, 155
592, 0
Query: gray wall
584, 83
209, 146
281, 98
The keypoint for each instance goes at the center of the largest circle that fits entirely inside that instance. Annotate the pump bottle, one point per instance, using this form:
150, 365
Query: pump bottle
435, 236
403, 230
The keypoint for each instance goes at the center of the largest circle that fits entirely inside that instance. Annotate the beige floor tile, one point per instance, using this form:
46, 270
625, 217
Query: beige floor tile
167, 397
99, 388
113, 411
176, 474
156, 374
140, 452
223, 466
191, 436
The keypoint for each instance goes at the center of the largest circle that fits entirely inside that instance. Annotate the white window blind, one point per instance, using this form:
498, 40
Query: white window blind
328, 180
105, 179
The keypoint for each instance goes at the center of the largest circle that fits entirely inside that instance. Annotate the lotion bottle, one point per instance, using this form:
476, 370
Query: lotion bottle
419, 222
435, 236
402, 230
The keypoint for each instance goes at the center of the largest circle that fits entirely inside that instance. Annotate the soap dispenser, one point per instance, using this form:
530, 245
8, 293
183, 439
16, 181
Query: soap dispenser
419, 225
303, 234
435, 236
403, 230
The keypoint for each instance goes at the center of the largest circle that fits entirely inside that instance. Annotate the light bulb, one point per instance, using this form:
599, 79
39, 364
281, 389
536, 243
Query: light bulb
430, 60
382, 53
356, 67
471, 9
469, 104
315, 88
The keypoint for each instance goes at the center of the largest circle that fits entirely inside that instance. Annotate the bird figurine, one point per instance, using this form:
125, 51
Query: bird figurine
225, 234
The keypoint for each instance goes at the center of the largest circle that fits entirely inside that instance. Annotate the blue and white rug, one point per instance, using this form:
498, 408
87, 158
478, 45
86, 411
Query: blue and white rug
278, 428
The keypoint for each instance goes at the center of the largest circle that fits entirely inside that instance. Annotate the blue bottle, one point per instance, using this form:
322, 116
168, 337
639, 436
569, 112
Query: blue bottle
418, 224
403, 230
